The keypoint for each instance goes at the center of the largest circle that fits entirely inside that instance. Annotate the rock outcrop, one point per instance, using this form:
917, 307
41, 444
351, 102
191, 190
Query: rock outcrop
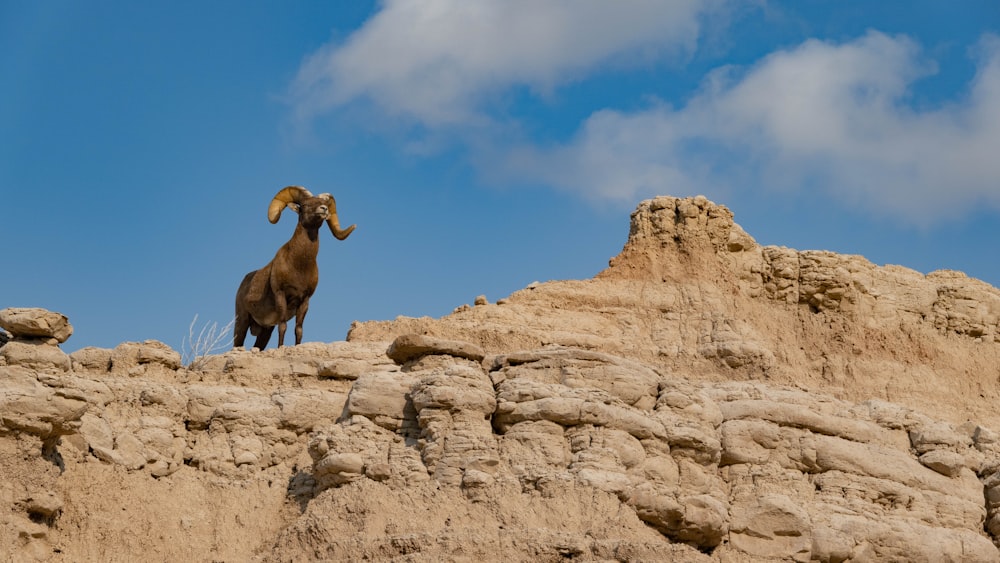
691, 293
35, 335
702, 399
31, 323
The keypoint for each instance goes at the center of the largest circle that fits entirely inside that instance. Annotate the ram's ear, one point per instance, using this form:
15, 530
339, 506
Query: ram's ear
294, 207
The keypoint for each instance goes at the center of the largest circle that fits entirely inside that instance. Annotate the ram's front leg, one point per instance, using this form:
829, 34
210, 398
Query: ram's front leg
300, 317
281, 307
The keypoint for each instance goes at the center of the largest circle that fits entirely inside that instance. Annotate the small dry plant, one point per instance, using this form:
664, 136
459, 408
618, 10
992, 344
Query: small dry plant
200, 343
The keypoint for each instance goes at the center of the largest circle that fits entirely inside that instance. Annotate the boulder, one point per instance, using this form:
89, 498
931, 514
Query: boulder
632, 382
33, 322
35, 354
383, 397
409, 347
129, 355
92, 359
28, 405
773, 527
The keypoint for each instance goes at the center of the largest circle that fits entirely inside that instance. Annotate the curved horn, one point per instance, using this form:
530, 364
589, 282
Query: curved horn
291, 194
333, 222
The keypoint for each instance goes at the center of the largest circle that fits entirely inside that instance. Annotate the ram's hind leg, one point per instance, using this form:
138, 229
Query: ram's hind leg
240, 330
263, 336
244, 320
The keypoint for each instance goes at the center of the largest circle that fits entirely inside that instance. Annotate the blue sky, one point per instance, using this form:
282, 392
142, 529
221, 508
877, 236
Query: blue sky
479, 146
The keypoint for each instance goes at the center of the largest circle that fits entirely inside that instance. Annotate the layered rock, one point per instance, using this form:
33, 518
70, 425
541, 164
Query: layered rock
703, 399
34, 323
771, 473
740, 468
692, 292
35, 335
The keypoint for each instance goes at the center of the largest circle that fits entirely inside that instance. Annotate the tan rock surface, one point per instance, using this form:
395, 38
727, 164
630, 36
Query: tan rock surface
32, 322
702, 399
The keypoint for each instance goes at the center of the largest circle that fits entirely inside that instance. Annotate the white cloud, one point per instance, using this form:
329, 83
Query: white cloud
836, 117
830, 116
438, 61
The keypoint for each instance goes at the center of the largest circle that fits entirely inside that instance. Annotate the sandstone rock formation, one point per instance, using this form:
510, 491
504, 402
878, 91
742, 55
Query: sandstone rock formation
702, 399
25, 323
35, 335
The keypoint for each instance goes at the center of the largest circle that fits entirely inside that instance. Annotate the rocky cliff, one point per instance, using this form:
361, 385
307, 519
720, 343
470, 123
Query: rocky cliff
705, 398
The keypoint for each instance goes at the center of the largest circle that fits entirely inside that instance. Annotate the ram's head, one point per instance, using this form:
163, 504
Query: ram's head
309, 207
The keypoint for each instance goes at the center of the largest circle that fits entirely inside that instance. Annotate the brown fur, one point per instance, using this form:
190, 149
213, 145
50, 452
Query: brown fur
280, 290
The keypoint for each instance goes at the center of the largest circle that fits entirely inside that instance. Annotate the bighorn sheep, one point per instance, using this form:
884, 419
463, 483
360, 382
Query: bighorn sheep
280, 290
